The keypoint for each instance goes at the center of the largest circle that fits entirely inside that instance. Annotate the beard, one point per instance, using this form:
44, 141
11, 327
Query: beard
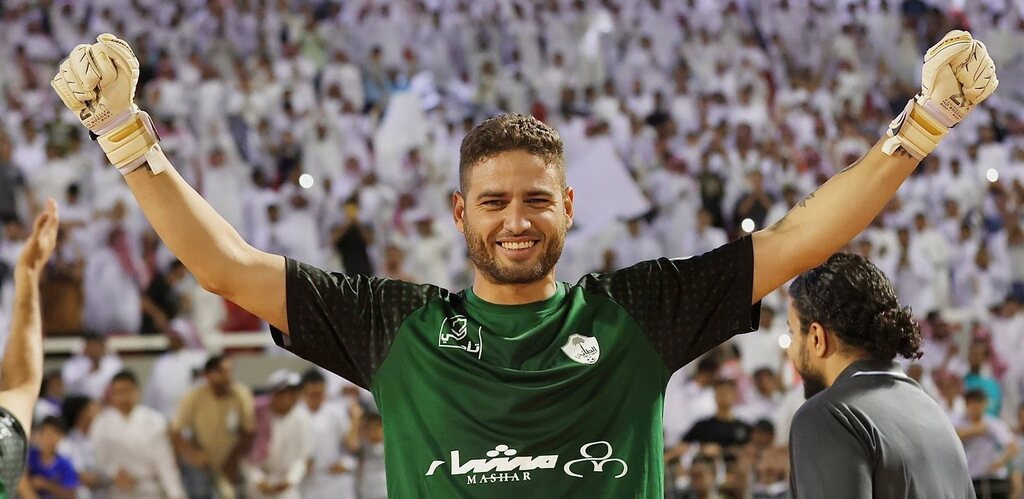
814, 380
485, 258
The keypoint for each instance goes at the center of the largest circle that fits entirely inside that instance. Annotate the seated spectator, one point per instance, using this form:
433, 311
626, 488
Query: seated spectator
162, 301
113, 281
213, 430
979, 377
282, 445
51, 396
368, 445
764, 400
50, 475
89, 372
174, 373
132, 445
723, 428
79, 413
332, 468
989, 445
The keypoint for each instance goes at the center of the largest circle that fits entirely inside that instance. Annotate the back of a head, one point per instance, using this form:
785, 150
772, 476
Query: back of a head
510, 132
853, 299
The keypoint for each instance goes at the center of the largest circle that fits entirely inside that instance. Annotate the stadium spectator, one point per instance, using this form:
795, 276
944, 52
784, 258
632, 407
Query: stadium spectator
77, 446
332, 467
88, 373
282, 445
989, 445
50, 475
723, 429
219, 420
133, 446
173, 374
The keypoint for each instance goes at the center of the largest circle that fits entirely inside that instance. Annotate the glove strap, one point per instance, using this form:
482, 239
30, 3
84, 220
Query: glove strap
915, 130
133, 144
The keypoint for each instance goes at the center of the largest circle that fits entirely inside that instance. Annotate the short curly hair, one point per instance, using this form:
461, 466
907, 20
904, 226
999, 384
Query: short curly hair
850, 297
510, 132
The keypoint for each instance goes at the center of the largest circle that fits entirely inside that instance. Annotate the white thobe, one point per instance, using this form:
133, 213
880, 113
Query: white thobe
172, 377
138, 444
113, 300
80, 379
287, 457
328, 428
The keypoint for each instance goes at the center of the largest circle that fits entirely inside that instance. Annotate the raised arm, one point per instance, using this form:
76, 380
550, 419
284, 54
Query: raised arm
21, 373
210, 248
957, 75
827, 218
97, 82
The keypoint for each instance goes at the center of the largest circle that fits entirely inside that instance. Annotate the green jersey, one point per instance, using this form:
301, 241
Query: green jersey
558, 398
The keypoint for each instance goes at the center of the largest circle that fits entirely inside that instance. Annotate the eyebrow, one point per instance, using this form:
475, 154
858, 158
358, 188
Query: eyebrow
502, 194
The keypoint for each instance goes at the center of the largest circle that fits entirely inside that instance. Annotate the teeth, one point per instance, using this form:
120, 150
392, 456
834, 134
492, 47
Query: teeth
517, 246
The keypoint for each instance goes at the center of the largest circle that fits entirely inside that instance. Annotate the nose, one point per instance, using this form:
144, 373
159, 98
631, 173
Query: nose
516, 219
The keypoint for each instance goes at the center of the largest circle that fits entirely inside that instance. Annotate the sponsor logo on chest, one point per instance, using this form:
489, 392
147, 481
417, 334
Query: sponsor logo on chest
503, 464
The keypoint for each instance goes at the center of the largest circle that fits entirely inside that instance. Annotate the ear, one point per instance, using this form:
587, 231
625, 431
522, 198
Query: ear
569, 210
820, 342
458, 210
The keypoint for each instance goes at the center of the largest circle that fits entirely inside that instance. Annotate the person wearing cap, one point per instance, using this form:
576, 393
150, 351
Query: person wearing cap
283, 443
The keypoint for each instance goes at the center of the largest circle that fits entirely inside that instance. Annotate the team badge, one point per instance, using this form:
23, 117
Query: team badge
582, 349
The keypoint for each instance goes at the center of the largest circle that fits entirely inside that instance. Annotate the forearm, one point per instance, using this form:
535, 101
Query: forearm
206, 243
825, 220
22, 367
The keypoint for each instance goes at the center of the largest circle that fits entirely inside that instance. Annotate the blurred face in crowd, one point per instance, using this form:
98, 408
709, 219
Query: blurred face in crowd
702, 477
48, 437
800, 353
314, 393
514, 214
725, 396
88, 414
375, 430
220, 378
124, 395
766, 381
282, 401
976, 355
95, 349
975, 409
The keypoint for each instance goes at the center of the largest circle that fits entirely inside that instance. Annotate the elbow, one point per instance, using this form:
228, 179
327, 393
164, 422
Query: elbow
214, 285
219, 277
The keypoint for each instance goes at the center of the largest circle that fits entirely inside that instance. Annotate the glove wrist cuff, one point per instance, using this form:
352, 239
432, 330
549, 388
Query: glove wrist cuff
916, 131
133, 144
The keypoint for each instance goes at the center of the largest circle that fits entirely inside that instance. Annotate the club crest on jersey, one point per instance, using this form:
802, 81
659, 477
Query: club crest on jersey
456, 333
582, 349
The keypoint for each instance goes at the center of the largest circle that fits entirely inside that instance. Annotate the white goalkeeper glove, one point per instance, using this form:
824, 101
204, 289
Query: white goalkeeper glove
957, 75
97, 82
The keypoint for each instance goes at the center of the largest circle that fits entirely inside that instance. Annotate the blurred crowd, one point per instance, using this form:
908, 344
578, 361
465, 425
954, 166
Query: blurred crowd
329, 131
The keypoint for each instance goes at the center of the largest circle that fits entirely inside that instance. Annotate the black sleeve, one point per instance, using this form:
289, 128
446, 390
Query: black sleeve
827, 457
687, 306
346, 324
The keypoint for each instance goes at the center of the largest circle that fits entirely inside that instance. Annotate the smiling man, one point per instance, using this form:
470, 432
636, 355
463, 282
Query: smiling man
519, 385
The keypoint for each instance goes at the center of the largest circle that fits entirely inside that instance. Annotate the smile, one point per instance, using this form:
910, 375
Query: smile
519, 245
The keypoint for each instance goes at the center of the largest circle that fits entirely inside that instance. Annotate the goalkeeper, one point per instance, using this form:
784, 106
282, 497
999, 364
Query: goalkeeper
521, 384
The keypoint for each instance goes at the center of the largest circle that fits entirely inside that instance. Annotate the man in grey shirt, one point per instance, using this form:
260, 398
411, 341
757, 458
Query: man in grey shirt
867, 429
